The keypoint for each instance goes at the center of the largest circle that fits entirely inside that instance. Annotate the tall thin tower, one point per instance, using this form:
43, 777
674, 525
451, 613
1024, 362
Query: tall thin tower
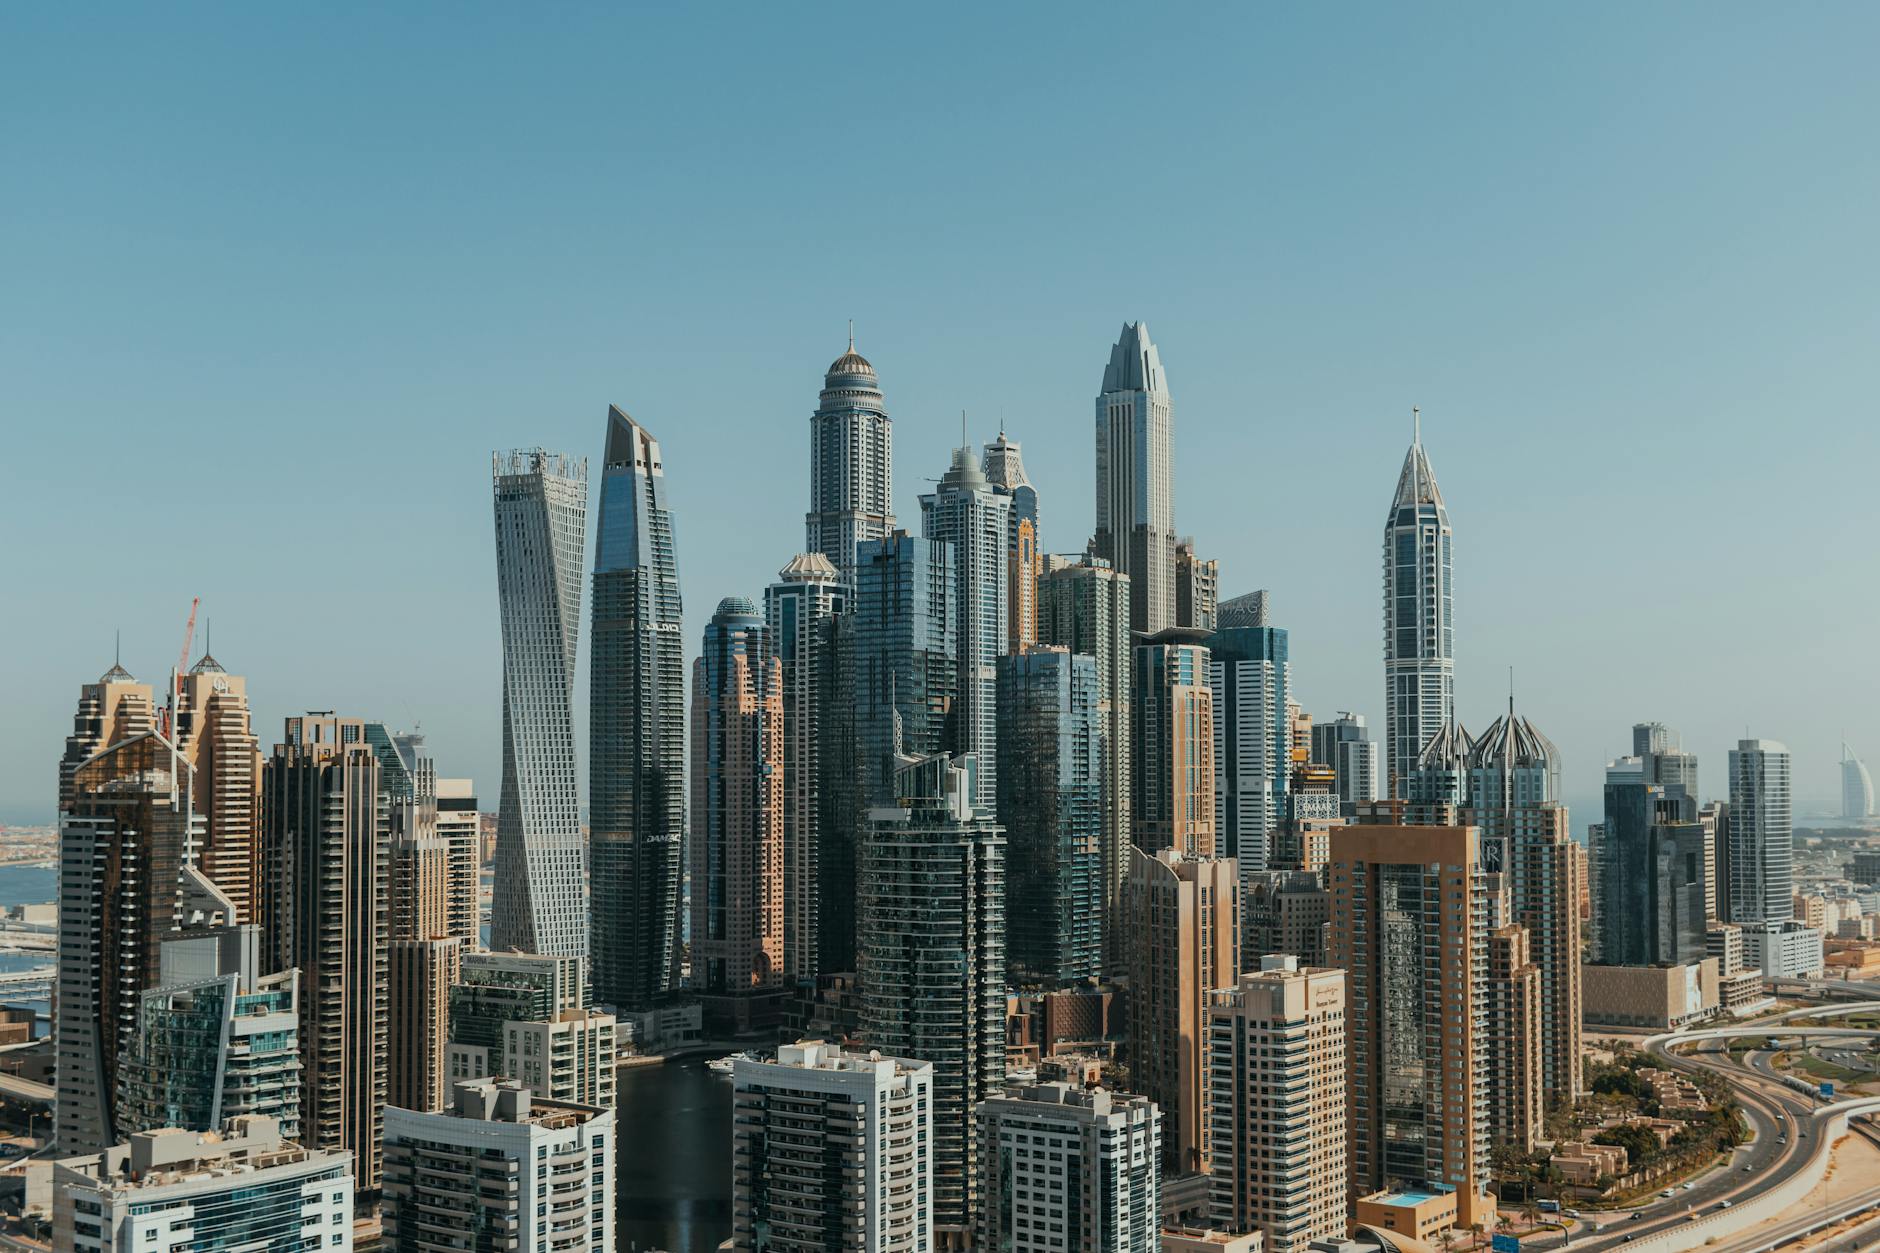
636, 741
1419, 631
1135, 478
540, 903
851, 463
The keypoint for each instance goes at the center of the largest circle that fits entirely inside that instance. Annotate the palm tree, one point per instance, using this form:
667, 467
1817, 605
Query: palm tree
1475, 1234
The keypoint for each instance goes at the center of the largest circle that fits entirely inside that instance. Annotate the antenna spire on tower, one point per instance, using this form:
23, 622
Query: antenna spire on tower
1416, 425
851, 334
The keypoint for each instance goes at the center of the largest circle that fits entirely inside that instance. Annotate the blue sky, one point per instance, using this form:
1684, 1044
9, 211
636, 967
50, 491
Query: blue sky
276, 281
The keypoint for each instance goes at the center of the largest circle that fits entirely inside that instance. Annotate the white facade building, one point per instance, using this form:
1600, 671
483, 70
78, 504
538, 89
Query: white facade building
1065, 1168
540, 903
172, 1191
1783, 950
539, 1174
1762, 839
832, 1150
1419, 629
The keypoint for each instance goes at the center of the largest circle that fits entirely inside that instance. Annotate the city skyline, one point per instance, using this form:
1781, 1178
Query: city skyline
1301, 339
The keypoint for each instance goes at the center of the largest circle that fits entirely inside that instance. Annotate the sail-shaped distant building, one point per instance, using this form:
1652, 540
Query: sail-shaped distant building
1419, 629
851, 464
1856, 787
1135, 478
636, 740
540, 902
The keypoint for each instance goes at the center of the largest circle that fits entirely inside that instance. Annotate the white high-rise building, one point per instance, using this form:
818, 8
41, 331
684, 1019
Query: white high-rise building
832, 1150
1762, 839
1856, 787
1135, 478
1419, 628
460, 826
1065, 1168
851, 464
535, 1174
540, 903
174, 1191
967, 512
1276, 1055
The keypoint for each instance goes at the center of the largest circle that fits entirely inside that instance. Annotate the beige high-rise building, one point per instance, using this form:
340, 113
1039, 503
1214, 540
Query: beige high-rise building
1181, 916
459, 825
1197, 587
214, 730
1410, 929
1515, 1032
1172, 744
110, 711
1277, 1108
326, 870
419, 980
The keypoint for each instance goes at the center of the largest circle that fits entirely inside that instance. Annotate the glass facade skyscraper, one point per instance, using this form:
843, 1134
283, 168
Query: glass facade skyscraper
1051, 806
1419, 628
1250, 673
966, 513
540, 902
851, 464
905, 654
1135, 477
1651, 880
636, 723
1762, 839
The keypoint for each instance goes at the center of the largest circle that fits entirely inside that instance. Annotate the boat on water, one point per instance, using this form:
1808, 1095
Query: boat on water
723, 1065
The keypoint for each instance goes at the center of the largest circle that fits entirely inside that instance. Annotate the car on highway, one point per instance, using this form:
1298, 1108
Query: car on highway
1725, 1204
1668, 1192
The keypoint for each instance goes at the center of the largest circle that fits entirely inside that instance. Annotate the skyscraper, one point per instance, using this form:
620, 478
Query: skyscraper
1181, 917
832, 1151
1663, 757
1172, 743
798, 609
931, 935
851, 464
1197, 588
1135, 478
1761, 835
460, 826
966, 512
1345, 746
737, 818
1410, 931
1024, 559
124, 837
1856, 787
1651, 854
1065, 1168
214, 731
1419, 630
905, 667
1084, 606
1516, 1046
326, 861
1249, 673
110, 711
1051, 806
540, 903
636, 724
1276, 1051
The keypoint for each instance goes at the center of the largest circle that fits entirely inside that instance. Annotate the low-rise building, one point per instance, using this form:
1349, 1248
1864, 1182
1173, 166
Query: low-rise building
1658, 998
1419, 1215
176, 1191
1783, 950
1206, 1240
1581, 1164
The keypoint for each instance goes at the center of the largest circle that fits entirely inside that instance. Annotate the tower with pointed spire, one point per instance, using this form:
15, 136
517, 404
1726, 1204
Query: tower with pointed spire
1024, 560
636, 725
215, 731
1135, 478
1419, 631
851, 463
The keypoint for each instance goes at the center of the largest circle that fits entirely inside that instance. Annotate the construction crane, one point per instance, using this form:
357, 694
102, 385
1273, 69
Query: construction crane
182, 667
